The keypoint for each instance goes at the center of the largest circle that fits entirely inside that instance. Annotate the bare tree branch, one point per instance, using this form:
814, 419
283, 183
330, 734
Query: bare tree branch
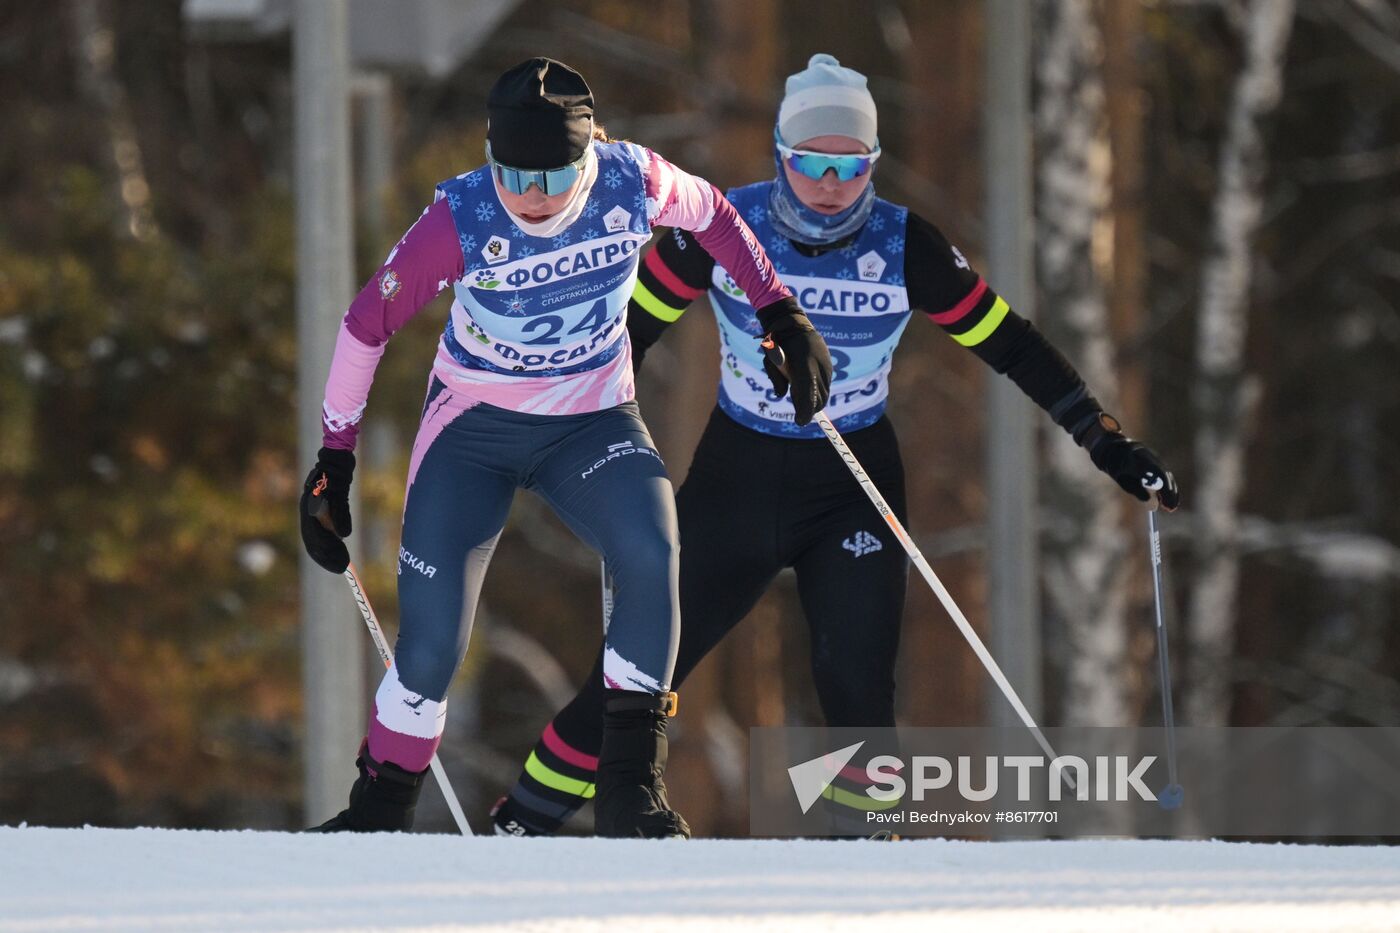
1371, 25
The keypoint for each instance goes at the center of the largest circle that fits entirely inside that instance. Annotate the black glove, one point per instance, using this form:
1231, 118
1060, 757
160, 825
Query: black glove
806, 362
1133, 466
326, 498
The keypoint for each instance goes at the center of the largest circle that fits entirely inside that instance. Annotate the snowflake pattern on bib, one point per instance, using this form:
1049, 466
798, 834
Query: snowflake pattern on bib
546, 307
854, 296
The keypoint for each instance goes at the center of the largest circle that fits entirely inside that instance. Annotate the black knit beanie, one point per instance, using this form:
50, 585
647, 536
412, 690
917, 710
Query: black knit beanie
541, 115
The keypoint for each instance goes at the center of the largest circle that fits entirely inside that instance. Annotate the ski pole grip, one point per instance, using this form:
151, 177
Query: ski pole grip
319, 509
775, 354
1154, 495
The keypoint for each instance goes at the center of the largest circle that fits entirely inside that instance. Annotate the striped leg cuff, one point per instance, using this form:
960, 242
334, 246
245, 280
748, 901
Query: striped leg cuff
848, 805
556, 782
406, 727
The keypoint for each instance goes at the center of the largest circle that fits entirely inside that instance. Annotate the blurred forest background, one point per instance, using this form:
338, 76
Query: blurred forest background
1218, 250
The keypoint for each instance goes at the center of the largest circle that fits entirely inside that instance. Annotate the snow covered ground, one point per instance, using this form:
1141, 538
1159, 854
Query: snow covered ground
96, 879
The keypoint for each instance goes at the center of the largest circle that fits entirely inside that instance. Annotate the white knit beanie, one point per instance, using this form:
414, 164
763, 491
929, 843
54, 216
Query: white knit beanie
827, 99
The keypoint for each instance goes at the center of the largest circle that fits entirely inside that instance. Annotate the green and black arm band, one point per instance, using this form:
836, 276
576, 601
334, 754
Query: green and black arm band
673, 273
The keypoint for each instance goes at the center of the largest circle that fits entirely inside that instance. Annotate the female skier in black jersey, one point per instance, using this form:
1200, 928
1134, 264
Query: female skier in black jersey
764, 493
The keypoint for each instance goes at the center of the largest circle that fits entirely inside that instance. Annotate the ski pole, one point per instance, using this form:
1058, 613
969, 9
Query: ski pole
775, 356
380, 643
1170, 796
607, 593
939, 590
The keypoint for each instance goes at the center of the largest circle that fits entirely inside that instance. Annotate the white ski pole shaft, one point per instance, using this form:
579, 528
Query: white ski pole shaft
912, 550
382, 644
1164, 670
607, 594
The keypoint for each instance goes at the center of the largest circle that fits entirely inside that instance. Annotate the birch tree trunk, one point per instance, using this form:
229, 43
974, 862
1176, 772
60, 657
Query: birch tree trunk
1086, 585
98, 77
1223, 391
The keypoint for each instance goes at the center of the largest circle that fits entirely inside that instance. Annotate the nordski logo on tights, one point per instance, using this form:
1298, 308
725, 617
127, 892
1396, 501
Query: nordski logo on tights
616, 452
862, 543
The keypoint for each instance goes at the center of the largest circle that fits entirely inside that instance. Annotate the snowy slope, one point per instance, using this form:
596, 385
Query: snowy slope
98, 879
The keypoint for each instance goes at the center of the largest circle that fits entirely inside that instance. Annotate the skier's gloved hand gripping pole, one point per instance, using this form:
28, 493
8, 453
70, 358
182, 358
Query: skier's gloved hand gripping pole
325, 509
774, 357
1142, 474
798, 359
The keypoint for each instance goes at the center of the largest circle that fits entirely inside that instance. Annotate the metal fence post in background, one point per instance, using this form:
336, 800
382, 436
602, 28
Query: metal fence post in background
1013, 598
332, 656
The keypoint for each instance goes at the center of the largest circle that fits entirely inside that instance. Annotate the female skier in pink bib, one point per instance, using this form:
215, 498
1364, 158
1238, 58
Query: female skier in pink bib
532, 388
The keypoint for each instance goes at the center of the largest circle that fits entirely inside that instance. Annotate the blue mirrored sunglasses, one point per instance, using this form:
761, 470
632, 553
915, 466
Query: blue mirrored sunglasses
816, 164
551, 181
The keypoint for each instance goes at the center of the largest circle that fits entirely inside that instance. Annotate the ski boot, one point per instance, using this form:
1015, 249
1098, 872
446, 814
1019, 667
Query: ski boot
505, 823
630, 800
382, 799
